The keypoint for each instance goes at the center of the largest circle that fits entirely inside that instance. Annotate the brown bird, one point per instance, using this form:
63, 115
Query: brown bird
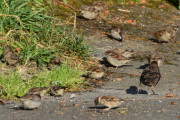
166, 34
89, 12
156, 57
108, 101
54, 62
32, 101
39, 90
99, 5
118, 33
57, 91
150, 76
118, 57
96, 72
10, 56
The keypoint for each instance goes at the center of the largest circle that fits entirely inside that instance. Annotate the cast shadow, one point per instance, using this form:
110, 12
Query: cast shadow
134, 90
143, 66
174, 3
107, 64
109, 36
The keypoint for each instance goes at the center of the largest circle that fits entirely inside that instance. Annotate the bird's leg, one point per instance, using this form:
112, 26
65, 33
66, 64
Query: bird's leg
153, 91
138, 89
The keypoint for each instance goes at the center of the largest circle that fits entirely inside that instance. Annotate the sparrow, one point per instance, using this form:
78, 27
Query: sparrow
156, 57
99, 5
85, 7
24, 72
57, 90
108, 101
54, 61
96, 72
167, 34
10, 56
150, 76
32, 101
173, 31
89, 13
39, 90
118, 57
118, 33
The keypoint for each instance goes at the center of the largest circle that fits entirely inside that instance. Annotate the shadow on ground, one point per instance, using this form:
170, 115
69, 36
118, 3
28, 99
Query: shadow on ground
134, 90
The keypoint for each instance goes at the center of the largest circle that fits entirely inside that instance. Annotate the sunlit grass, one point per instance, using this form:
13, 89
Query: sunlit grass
65, 76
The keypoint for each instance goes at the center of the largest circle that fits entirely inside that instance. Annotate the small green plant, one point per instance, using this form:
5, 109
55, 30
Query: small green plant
64, 76
26, 25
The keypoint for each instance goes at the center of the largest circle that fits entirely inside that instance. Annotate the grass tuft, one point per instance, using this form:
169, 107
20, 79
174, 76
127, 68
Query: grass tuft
64, 76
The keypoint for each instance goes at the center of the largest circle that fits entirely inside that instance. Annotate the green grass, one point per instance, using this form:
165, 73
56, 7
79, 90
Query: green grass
64, 76
39, 36
29, 26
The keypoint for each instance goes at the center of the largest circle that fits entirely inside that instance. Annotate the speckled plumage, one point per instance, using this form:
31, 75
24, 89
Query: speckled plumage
89, 12
96, 72
32, 101
57, 90
39, 90
99, 5
166, 34
151, 75
156, 57
118, 33
108, 101
10, 56
118, 57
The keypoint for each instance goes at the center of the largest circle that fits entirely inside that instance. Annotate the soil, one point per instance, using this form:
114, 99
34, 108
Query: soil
140, 23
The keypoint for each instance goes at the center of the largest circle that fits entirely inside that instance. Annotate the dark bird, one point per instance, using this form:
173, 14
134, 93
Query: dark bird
150, 76
10, 56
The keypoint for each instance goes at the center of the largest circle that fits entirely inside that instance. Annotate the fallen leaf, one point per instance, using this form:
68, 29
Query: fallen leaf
75, 105
62, 101
143, 1
18, 50
123, 10
119, 79
94, 115
106, 12
60, 112
164, 73
134, 74
123, 112
179, 117
100, 82
172, 103
143, 6
2, 102
169, 95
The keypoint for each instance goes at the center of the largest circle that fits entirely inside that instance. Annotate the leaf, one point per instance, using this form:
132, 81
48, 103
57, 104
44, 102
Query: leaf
172, 103
169, 95
122, 112
75, 105
119, 79
2, 102
18, 50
